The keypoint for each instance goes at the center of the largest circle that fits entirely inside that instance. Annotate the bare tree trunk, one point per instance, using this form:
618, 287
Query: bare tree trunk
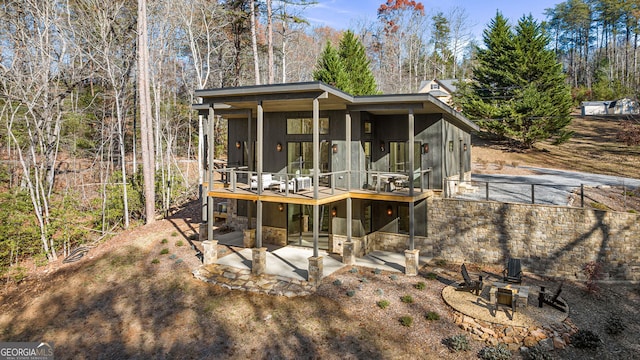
270, 65
254, 42
146, 123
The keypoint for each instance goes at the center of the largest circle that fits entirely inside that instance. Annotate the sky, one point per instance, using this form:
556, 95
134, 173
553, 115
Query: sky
342, 14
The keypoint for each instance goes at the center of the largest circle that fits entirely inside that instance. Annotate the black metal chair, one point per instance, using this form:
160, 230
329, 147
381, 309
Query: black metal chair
506, 298
468, 284
513, 272
553, 300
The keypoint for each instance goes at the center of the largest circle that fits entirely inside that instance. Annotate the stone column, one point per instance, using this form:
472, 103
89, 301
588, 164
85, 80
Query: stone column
249, 239
316, 269
202, 230
411, 262
349, 253
210, 251
259, 263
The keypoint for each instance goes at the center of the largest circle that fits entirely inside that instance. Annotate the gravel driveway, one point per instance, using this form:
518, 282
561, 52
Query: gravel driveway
550, 186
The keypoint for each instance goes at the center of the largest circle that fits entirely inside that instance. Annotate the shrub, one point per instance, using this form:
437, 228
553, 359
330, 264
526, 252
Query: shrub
164, 241
408, 299
383, 304
379, 292
179, 243
406, 320
614, 325
537, 353
499, 352
515, 164
441, 262
174, 233
432, 315
585, 339
155, 261
337, 282
599, 206
393, 277
178, 261
431, 276
351, 293
457, 343
354, 270
377, 271
193, 236
173, 256
420, 286
164, 251
364, 280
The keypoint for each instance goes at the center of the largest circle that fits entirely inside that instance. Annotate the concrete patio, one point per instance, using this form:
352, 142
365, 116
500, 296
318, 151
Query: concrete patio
292, 261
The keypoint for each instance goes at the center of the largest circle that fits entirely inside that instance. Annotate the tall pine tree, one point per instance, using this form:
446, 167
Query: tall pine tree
356, 64
518, 88
330, 68
346, 68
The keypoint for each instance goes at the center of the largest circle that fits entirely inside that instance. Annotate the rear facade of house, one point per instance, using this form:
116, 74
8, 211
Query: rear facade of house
310, 165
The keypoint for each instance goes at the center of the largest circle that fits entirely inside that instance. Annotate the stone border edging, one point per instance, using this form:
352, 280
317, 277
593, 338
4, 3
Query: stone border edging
233, 278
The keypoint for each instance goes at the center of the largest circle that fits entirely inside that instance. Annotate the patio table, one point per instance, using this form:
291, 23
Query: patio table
521, 290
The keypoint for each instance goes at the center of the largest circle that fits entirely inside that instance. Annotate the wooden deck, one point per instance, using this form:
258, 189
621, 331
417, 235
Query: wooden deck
325, 195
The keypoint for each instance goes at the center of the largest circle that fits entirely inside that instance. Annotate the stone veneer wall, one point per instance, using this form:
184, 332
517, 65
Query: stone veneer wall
362, 245
385, 241
274, 235
551, 240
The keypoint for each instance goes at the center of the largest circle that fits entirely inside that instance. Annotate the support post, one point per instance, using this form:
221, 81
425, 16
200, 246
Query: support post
316, 269
259, 260
210, 252
411, 262
349, 253
211, 137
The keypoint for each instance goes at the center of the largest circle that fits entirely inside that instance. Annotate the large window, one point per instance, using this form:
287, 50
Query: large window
399, 156
304, 126
300, 157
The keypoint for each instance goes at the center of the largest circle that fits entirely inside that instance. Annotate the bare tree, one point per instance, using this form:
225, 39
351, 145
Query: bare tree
40, 71
107, 27
254, 41
146, 122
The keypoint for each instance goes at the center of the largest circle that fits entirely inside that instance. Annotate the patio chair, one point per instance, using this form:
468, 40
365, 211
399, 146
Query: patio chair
506, 298
554, 300
468, 284
513, 272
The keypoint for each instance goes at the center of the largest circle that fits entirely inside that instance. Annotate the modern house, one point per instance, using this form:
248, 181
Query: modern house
310, 165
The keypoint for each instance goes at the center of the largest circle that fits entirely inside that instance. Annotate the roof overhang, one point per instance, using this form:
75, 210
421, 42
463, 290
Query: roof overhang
237, 102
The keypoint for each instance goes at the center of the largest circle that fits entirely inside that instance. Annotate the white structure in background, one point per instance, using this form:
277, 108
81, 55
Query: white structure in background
624, 106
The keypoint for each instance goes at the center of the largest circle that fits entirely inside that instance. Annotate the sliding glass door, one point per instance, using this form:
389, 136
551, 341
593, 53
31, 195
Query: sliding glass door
300, 157
300, 225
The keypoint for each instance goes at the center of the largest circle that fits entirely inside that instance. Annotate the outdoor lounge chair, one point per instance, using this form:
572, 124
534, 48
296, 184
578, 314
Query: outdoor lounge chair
506, 298
468, 284
513, 272
553, 300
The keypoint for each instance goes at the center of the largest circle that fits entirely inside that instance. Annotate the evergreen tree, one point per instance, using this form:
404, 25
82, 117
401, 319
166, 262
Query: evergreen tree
356, 64
347, 67
518, 88
330, 68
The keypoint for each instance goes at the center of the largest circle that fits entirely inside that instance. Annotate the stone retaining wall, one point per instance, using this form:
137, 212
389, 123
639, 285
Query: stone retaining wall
385, 241
551, 240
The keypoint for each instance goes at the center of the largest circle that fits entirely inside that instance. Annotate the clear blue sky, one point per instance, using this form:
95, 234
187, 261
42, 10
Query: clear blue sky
340, 13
